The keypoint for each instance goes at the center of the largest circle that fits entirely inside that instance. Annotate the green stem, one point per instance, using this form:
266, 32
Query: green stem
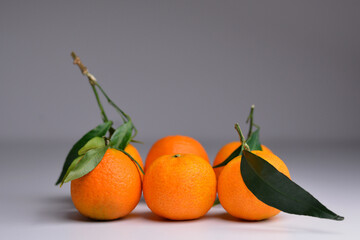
132, 159
242, 138
121, 112
92, 81
103, 114
251, 119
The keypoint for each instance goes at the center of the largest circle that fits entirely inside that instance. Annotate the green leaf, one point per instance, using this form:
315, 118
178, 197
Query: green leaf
254, 140
93, 143
277, 190
98, 131
90, 160
233, 155
122, 136
71, 167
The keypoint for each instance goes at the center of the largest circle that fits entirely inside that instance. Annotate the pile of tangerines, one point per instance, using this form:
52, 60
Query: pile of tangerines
178, 182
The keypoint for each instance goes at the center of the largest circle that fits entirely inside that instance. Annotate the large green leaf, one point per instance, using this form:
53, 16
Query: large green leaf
233, 155
122, 136
98, 131
254, 140
90, 160
71, 167
277, 190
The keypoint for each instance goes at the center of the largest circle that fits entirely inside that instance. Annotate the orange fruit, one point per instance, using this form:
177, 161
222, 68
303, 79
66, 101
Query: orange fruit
180, 187
130, 149
237, 199
225, 152
111, 190
172, 145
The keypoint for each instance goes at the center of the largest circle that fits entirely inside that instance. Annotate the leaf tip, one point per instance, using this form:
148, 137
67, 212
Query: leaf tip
339, 218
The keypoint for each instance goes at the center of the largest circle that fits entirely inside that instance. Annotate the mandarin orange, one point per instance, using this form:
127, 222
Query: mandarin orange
180, 187
110, 191
237, 199
172, 145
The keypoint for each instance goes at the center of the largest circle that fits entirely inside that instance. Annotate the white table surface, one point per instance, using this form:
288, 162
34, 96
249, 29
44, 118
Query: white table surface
32, 207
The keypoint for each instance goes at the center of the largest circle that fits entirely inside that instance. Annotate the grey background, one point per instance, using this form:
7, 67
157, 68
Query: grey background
180, 67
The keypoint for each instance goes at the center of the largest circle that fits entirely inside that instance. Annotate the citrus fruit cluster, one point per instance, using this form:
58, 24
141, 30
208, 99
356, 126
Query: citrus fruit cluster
108, 176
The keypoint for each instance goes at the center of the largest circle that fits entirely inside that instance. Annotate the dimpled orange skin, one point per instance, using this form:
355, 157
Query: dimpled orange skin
171, 145
180, 188
237, 199
112, 190
130, 149
225, 152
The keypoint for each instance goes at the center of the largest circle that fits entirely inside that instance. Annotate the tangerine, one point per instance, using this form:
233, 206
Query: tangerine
237, 199
180, 187
111, 190
171, 145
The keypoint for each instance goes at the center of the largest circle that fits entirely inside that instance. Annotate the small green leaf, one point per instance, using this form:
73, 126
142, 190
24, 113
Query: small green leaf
98, 131
90, 160
254, 140
71, 167
277, 190
95, 142
233, 155
122, 136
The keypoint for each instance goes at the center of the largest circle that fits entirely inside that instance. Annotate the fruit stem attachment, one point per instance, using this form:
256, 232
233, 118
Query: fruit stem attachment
92, 81
107, 141
251, 119
242, 138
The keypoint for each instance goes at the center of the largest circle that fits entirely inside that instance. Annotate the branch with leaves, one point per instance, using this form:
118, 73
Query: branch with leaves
87, 152
270, 185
